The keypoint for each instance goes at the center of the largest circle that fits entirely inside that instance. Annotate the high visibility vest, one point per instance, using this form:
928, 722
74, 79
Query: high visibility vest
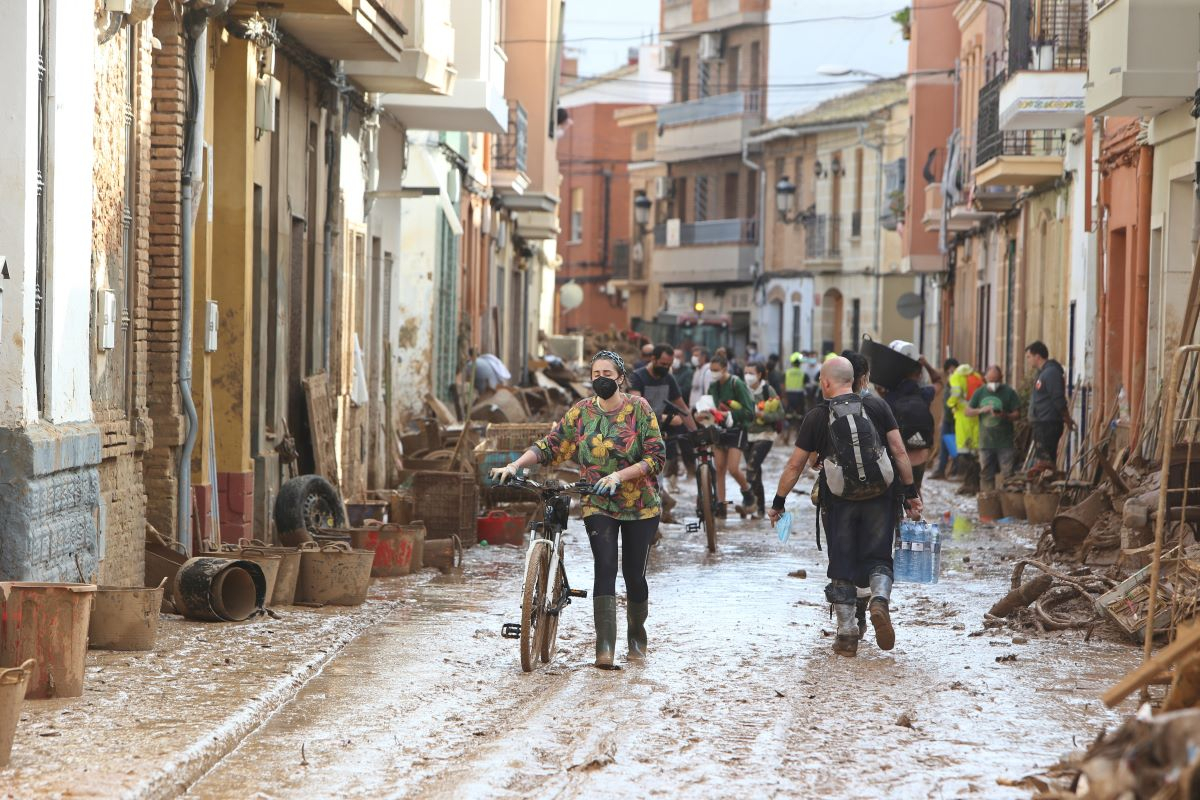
794, 379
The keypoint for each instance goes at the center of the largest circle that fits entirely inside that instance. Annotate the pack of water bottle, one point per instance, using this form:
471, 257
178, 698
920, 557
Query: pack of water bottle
918, 556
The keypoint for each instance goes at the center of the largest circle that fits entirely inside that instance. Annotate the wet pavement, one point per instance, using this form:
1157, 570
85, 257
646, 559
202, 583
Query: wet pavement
741, 695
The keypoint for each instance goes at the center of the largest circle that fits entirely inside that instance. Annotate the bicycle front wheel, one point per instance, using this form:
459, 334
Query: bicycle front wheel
708, 504
533, 605
548, 635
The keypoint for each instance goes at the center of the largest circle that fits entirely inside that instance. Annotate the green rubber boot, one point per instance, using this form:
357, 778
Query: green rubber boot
635, 614
605, 611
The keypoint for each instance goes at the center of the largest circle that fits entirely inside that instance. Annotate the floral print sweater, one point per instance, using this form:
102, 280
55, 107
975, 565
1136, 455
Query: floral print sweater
605, 442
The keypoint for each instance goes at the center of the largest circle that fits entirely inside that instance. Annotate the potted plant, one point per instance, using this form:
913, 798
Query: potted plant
903, 18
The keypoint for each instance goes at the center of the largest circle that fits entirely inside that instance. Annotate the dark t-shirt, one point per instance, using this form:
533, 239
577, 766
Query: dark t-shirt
659, 392
814, 429
1048, 401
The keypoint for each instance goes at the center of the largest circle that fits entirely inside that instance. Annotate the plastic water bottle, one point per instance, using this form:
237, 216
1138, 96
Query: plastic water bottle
918, 558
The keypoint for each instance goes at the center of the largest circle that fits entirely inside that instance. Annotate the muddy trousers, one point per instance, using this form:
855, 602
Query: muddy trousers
859, 536
756, 454
636, 537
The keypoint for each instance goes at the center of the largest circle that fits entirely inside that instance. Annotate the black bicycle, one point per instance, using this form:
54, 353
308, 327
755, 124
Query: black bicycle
542, 600
703, 440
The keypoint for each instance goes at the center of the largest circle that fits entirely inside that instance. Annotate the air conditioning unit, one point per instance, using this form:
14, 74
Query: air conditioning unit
710, 46
666, 57
662, 187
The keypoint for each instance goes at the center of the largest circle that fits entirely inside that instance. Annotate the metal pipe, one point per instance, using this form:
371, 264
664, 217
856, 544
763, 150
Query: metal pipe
196, 34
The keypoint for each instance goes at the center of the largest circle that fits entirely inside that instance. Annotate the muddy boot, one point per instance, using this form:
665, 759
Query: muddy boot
635, 616
846, 643
668, 504
860, 616
605, 611
748, 505
881, 616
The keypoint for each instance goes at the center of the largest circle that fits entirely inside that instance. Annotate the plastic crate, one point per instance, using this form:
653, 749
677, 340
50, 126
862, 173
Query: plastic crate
447, 503
518, 436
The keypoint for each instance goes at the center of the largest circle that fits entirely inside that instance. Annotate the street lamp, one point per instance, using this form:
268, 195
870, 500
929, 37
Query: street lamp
641, 209
785, 198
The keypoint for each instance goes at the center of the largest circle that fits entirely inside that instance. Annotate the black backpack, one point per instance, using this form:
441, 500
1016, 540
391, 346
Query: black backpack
914, 419
858, 465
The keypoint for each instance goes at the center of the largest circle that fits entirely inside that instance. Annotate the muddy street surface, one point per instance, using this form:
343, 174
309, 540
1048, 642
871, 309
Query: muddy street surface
741, 696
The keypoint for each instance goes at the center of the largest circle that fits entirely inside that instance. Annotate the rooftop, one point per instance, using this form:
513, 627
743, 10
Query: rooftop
856, 106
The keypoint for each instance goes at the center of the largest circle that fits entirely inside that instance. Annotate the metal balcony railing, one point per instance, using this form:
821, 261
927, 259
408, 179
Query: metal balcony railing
510, 149
823, 236
991, 142
716, 231
715, 106
1047, 35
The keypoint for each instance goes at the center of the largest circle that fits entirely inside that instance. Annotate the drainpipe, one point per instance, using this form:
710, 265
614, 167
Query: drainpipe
196, 31
760, 255
333, 132
878, 148
1141, 288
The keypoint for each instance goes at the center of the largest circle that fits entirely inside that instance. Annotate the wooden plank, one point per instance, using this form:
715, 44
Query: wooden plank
1187, 638
321, 422
440, 410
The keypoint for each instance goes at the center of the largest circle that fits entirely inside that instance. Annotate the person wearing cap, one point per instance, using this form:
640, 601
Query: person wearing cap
794, 381
615, 439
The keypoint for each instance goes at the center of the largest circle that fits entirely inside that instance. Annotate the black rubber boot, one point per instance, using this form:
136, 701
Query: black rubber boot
860, 615
748, 505
881, 616
846, 643
635, 616
605, 611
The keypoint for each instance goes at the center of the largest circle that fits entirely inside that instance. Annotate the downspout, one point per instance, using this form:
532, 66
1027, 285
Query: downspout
1141, 289
760, 254
333, 131
196, 31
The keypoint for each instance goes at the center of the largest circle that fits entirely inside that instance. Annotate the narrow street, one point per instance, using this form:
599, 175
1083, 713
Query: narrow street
741, 697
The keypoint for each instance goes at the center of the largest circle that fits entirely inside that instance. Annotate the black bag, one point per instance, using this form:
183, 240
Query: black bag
914, 418
858, 465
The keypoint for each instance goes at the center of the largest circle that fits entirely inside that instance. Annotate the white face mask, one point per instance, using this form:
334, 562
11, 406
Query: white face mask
752, 381
695, 361
993, 386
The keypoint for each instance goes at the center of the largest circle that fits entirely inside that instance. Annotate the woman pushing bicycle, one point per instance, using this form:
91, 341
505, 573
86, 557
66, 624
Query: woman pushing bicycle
615, 439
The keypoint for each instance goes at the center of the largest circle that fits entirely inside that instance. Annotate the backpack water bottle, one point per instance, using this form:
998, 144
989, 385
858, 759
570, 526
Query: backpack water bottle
918, 557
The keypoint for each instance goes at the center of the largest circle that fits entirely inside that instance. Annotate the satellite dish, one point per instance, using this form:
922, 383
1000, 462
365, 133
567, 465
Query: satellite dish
909, 305
571, 296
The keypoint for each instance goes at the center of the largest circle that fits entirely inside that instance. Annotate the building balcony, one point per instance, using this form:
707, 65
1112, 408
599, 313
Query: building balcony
510, 151
708, 126
476, 101
1038, 101
714, 251
426, 65
1020, 158
1141, 56
932, 219
366, 30
679, 20
1047, 63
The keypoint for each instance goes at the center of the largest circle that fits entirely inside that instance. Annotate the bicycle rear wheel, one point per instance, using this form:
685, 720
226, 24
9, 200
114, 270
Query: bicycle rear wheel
708, 507
548, 635
533, 604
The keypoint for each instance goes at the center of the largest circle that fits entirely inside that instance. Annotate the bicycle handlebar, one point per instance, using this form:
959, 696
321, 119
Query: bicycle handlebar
551, 487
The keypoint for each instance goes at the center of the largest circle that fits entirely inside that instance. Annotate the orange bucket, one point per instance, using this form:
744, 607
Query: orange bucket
47, 622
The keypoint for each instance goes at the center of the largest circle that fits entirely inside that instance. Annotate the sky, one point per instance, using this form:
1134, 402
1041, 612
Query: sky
797, 50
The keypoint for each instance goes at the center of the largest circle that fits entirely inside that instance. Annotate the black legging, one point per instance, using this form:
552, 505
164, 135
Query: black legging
636, 536
756, 454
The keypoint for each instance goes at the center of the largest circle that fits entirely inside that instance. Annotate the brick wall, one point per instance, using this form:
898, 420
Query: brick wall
163, 287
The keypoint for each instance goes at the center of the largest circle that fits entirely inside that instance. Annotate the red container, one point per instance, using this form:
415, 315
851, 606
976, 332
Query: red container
394, 547
500, 527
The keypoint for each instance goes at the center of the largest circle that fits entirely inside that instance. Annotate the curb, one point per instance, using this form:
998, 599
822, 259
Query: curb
176, 776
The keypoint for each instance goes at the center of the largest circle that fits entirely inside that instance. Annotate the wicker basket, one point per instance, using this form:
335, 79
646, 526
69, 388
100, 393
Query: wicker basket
447, 502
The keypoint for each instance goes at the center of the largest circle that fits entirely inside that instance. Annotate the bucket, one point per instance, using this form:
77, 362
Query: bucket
990, 505
1013, 504
500, 527
289, 570
1072, 526
164, 562
125, 618
13, 681
444, 554
357, 514
393, 546
269, 562
220, 589
47, 622
888, 367
334, 574
1040, 507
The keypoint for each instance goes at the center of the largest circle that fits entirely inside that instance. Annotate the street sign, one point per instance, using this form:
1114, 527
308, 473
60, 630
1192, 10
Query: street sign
910, 305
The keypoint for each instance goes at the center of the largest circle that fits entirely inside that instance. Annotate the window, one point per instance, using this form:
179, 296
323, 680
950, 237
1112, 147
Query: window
733, 57
730, 207
642, 141
755, 76
795, 328
685, 78
700, 209
856, 217
798, 178
577, 215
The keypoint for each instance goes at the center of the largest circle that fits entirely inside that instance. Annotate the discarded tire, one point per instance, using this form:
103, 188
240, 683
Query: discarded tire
307, 503
219, 589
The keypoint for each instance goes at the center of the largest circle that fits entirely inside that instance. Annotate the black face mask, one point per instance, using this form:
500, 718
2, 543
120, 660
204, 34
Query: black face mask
604, 387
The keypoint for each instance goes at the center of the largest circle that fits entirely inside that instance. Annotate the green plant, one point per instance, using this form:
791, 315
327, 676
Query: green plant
903, 18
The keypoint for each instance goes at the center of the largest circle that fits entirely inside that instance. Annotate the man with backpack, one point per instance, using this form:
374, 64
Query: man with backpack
861, 454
